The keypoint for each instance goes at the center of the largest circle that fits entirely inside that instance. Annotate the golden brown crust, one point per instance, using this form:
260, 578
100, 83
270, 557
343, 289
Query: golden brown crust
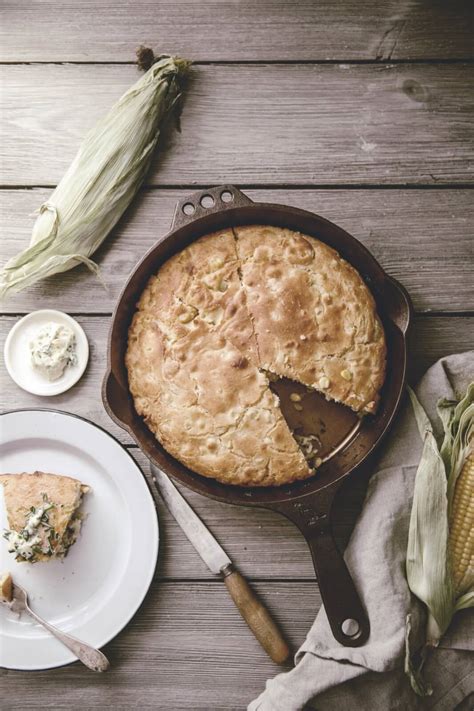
22, 491
214, 316
194, 374
315, 319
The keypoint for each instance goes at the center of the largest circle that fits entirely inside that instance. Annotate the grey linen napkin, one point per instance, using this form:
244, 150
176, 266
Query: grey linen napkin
372, 677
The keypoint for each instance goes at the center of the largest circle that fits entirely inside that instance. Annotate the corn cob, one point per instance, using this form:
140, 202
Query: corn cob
461, 529
101, 181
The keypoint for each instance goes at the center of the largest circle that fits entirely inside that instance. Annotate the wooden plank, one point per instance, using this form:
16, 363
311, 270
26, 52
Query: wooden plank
242, 30
424, 238
287, 124
186, 648
433, 337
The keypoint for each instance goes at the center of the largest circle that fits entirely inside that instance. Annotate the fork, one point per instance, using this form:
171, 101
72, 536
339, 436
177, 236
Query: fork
91, 657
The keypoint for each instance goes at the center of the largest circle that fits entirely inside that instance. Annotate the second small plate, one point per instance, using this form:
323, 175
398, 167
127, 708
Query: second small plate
17, 353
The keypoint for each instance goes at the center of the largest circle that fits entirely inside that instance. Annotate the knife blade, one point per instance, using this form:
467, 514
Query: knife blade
250, 607
195, 531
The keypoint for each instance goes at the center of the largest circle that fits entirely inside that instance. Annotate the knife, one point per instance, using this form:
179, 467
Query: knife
252, 610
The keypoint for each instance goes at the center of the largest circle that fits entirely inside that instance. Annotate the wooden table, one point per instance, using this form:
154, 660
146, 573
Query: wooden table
359, 111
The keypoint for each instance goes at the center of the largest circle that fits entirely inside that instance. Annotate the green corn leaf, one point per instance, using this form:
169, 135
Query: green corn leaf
427, 563
429, 567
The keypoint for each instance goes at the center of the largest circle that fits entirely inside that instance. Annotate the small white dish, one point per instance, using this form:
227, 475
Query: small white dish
93, 592
17, 358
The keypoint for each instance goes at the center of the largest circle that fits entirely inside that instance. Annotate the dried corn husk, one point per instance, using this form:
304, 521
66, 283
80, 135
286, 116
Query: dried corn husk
101, 181
430, 570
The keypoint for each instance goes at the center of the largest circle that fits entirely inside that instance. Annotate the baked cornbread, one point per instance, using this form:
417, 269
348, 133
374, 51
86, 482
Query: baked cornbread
315, 320
221, 314
42, 512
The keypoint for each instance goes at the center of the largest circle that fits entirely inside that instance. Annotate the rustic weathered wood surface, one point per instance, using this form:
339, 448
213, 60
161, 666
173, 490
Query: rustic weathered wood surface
359, 111
186, 648
286, 124
424, 238
222, 30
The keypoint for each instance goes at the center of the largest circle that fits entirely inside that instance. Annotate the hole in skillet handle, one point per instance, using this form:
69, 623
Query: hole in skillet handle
208, 201
227, 196
188, 208
351, 628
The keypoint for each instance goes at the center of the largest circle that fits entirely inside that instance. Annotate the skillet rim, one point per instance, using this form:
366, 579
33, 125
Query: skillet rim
396, 323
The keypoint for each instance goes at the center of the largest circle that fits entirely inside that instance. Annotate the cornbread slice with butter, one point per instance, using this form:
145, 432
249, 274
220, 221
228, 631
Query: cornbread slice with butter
225, 315
43, 516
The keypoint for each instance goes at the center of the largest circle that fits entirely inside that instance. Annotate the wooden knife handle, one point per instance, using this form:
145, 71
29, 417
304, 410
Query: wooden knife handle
256, 616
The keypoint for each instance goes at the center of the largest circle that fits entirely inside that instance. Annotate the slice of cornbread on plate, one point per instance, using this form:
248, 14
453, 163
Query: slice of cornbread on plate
43, 514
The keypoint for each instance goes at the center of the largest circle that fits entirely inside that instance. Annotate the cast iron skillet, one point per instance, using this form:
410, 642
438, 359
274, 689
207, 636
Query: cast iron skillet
348, 441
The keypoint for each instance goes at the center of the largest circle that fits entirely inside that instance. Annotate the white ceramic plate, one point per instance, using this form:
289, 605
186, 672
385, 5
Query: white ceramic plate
17, 355
97, 588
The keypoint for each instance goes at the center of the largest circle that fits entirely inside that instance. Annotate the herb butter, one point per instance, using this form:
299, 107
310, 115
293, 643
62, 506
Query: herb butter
28, 541
52, 350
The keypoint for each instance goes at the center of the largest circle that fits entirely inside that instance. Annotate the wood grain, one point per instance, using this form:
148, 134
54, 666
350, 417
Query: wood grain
335, 121
242, 30
187, 648
433, 337
423, 238
265, 124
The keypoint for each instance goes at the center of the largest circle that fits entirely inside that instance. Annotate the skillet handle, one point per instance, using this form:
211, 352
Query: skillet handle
347, 618
346, 615
398, 303
205, 202
116, 401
